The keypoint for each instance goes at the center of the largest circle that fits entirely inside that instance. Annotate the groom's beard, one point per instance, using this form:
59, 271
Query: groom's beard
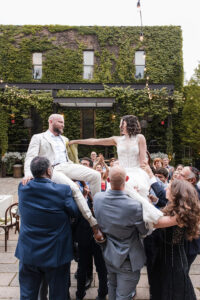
57, 130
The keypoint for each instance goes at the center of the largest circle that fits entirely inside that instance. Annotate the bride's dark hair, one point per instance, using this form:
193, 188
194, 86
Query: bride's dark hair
133, 125
185, 205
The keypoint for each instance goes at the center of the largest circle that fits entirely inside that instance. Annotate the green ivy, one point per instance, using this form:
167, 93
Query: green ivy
114, 52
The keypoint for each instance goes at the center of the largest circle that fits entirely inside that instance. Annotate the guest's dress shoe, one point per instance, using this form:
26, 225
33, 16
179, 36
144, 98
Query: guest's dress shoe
101, 298
134, 296
88, 282
98, 234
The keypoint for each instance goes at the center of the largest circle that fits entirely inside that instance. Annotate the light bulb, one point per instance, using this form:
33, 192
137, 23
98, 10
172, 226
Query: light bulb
141, 37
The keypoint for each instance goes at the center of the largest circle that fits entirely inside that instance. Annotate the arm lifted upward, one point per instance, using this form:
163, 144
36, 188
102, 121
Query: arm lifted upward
111, 141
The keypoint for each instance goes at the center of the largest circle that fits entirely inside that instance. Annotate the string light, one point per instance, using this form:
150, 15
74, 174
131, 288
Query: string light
141, 37
141, 32
144, 56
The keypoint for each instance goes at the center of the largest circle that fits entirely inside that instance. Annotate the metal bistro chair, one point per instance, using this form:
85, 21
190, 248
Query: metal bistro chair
11, 220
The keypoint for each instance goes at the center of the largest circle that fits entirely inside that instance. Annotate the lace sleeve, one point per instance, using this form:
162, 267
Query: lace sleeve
178, 235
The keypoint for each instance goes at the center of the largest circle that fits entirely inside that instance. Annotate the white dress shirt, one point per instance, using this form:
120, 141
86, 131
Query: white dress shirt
59, 148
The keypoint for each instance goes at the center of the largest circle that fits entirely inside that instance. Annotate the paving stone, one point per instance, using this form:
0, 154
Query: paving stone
197, 291
7, 258
9, 243
9, 268
197, 260
15, 280
90, 294
143, 282
195, 269
9, 292
73, 280
6, 278
10, 249
12, 235
195, 280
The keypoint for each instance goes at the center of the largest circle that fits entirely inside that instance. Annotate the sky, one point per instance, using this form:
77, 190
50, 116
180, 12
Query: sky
185, 13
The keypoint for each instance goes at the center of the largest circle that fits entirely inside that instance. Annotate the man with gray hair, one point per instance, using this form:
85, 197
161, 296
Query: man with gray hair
52, 144
120, 218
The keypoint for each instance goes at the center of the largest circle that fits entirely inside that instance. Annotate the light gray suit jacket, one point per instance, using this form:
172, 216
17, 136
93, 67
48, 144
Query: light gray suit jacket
120, 218
40, 145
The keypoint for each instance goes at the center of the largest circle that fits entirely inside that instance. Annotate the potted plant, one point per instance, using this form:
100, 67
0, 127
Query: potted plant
10, 159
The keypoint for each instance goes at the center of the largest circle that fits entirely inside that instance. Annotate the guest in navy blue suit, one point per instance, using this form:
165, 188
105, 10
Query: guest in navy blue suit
45, 242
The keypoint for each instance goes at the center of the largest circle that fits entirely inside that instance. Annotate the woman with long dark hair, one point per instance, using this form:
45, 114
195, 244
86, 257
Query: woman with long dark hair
170, 277
131, 149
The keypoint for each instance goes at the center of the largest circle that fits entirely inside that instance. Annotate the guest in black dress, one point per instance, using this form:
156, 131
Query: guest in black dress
171, 280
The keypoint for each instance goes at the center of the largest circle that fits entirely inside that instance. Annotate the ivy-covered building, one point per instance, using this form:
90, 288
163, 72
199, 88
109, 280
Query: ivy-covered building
93, 75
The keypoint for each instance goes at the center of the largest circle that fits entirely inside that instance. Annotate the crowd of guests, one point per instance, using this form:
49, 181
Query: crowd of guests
63, 212
87, 250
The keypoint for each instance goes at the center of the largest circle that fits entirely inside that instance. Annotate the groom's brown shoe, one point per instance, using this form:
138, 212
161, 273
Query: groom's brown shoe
98, 234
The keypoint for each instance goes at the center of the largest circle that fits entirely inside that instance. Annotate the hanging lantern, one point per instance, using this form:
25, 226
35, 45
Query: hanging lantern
141, 36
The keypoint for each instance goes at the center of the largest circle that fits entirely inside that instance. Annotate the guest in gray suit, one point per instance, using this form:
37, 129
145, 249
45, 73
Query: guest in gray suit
120, 218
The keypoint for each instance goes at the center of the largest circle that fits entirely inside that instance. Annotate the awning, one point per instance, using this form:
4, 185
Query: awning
85, 102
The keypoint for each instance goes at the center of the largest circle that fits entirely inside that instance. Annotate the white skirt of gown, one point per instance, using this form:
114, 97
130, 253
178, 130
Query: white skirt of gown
137, 187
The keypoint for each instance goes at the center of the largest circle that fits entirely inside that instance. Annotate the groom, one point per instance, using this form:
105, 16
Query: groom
120, 218
52, 144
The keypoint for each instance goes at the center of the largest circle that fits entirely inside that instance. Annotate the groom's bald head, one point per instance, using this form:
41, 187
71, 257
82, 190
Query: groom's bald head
117, 177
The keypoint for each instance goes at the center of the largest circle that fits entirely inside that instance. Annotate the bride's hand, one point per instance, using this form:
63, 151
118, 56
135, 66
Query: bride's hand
145, 166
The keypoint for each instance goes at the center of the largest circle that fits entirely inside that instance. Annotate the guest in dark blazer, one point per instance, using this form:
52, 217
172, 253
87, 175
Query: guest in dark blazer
45, 242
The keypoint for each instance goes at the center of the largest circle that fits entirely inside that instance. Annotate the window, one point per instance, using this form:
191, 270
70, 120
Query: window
88, 64
139, 64
37, 65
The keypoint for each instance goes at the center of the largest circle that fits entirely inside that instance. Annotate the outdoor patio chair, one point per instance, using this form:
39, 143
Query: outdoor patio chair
11, 220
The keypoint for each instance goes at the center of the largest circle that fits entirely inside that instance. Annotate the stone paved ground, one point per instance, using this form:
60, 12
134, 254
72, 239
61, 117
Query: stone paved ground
9, 285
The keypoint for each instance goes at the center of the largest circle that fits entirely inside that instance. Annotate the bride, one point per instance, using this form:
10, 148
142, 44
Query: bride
131, 150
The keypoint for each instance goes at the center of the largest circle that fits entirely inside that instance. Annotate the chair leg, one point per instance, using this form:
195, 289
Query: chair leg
6, 238
17, 226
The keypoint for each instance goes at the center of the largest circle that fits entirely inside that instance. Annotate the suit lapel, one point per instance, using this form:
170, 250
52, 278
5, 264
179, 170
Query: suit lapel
48, 138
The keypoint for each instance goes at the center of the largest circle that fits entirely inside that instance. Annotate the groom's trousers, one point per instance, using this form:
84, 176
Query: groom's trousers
65, 173
122, 281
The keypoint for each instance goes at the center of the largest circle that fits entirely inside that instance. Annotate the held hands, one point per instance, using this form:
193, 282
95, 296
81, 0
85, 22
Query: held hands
153, 199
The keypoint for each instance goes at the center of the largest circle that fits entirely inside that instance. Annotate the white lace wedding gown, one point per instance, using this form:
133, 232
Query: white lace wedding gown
128, 156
